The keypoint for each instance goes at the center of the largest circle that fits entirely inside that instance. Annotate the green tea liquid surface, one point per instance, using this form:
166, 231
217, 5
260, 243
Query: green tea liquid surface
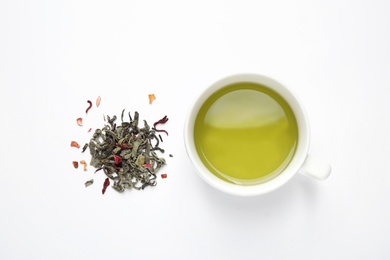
245, 133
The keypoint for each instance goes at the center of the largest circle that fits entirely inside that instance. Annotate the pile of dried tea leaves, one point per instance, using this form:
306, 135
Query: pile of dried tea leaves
127, 153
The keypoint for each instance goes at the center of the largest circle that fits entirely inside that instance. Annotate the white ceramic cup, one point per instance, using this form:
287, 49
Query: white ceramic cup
300, 163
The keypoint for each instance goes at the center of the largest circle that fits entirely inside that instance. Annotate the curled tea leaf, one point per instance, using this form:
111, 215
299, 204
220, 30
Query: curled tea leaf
79, 121
74, 144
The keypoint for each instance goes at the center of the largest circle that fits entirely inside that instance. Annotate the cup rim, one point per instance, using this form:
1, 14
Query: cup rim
256, 189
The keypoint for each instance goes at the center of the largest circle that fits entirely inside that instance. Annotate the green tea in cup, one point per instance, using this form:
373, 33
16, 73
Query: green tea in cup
245, 133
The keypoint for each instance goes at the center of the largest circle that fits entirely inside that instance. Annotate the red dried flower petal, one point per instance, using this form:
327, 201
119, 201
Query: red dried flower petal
125, 146
147, 165
75, 164
80, 121
117, 159
161, 121
105, 185
89, 107
164, 175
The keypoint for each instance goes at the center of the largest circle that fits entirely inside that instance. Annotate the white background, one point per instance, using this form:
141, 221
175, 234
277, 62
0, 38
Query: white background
55, 55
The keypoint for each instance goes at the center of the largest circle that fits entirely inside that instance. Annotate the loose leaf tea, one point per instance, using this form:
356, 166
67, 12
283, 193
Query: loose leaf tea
85, 147
127, 153
88, 183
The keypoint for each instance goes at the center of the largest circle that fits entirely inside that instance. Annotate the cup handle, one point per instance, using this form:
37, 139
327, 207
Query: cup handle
315, 168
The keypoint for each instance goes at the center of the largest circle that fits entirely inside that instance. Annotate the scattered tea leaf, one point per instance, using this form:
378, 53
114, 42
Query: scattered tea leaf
74, 144
85, 147
88, 183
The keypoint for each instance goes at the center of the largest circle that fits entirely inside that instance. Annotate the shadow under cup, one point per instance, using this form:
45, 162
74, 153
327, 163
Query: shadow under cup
247, 135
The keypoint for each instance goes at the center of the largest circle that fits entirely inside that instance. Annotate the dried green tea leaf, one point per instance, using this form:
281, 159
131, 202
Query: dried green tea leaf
88, 183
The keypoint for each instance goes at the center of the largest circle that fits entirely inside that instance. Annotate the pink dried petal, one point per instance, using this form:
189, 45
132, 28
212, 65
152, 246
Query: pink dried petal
85, 164
80, 121
98, 101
